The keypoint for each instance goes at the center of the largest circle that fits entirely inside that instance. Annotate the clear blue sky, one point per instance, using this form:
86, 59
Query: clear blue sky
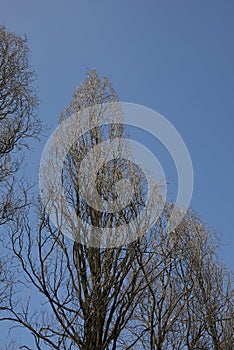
176, 57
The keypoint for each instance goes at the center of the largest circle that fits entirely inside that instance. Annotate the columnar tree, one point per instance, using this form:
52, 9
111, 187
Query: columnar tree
156, 292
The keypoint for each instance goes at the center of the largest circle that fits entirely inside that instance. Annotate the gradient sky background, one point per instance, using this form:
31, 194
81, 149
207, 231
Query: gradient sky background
176, 57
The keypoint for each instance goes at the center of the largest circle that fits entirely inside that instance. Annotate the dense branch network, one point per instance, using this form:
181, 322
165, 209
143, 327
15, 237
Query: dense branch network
162, 291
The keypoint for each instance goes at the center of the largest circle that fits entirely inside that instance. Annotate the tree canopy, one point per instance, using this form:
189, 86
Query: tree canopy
161, 291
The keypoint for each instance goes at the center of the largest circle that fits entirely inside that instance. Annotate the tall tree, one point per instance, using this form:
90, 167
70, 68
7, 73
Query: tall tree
152, 293
18, 122
190, 305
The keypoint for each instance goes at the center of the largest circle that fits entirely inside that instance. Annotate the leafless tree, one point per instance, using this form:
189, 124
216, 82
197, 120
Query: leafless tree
160, 291
190, 305
18, 122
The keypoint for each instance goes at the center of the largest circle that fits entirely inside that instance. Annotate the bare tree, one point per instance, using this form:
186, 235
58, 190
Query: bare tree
18, 122
190, 305
91, 291
160, 291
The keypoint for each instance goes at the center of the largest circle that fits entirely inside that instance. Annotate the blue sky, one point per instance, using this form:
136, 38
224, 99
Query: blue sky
175, 57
